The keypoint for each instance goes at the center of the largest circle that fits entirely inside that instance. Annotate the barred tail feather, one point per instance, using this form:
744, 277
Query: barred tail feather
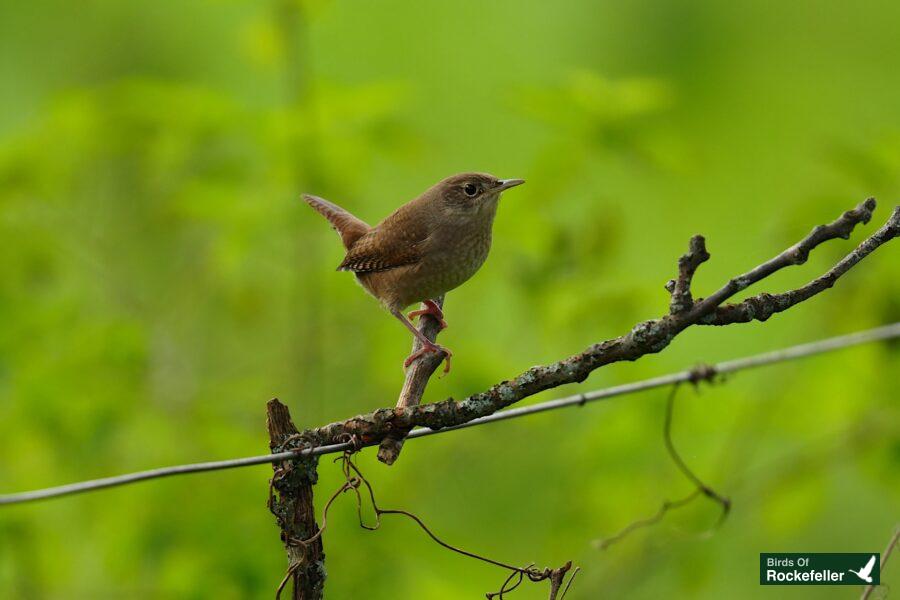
348, 227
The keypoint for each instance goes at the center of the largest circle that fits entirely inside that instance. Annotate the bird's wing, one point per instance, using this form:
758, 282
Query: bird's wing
348, 227
868, 568
395, 242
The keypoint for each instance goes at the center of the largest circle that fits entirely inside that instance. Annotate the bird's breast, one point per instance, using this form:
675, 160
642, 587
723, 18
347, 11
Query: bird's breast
453, 258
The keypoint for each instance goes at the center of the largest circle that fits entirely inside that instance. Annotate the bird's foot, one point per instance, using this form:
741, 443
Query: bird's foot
431, 308
430, 347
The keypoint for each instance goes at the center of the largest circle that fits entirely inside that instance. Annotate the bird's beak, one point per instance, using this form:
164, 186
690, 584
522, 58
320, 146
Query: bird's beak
505, 184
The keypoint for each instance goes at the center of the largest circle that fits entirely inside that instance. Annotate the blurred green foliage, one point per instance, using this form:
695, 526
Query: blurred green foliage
159, 281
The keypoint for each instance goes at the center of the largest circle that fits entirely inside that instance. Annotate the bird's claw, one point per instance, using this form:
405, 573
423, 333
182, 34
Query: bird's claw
430, 348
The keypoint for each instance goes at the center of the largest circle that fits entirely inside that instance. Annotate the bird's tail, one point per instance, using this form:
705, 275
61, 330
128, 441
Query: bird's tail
348, 227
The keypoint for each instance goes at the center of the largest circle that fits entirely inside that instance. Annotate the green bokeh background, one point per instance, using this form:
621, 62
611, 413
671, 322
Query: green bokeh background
160, 280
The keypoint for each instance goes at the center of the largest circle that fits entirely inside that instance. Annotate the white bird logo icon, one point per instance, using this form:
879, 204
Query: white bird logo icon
866, 572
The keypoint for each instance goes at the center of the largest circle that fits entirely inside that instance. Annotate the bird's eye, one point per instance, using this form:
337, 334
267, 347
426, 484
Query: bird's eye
470, 189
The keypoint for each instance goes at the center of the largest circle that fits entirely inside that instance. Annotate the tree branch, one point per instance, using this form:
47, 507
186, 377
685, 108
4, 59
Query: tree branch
417, 376
645, 338
291, 501
796, 254
687, 265
763, 306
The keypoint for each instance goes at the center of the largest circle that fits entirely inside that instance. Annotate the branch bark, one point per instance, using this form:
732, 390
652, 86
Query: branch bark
291, 501
557, 577
648, 337
417, 376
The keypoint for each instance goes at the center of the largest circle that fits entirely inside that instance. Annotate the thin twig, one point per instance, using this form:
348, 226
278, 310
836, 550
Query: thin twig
877, 334
667, 505
354, 479
884, 558
291, 571
569, 584
351, 471
517, 575
701, 373
706, 490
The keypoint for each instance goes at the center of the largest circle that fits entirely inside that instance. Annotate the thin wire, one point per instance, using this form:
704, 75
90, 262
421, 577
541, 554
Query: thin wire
885, 332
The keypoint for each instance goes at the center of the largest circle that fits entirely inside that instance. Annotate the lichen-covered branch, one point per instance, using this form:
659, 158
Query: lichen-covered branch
644, 338
680, 288
291, 501
795, 255
763, 306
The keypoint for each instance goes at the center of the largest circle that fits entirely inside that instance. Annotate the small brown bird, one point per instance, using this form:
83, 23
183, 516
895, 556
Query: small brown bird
424, 249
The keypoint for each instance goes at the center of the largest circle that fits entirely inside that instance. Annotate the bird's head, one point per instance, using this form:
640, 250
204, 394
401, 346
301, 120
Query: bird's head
472, 194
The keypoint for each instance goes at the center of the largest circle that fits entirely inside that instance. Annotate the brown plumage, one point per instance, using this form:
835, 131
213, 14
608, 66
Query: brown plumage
423, 249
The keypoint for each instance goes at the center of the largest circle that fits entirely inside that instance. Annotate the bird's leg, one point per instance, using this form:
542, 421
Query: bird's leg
431, 308
427, 345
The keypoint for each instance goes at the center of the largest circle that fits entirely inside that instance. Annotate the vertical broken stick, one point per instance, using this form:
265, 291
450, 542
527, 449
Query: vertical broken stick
291, 501
417, 376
